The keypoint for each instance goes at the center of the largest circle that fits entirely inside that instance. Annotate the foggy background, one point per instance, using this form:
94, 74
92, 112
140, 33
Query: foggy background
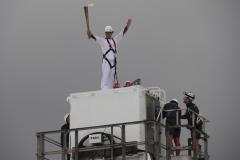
175, 44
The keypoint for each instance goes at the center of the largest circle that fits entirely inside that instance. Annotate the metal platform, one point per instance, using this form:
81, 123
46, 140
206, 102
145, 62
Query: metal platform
151, 145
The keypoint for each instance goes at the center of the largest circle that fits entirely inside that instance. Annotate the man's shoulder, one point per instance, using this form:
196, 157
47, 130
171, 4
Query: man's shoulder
65, 126
167, 106
171, 106
194, 107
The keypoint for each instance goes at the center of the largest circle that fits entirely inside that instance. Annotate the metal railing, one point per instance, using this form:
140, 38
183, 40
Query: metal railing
192, 142
42, 139
153, 146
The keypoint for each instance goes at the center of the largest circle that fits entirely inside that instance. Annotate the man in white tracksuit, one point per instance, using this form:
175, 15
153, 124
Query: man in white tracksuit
109, 49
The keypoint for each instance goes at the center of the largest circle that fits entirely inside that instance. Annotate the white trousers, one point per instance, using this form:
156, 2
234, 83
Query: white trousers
107, 80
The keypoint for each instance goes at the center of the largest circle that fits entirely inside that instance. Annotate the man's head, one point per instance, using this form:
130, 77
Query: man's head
174, 101
108, 31
67, 118
188, 97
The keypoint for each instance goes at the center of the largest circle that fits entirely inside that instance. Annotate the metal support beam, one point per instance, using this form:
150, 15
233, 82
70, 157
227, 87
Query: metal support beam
206, 156
194, 144
157, 148
123, 143
168, 144
112, 143
76, 145
40, 146
64, 147
146, 140
190, 144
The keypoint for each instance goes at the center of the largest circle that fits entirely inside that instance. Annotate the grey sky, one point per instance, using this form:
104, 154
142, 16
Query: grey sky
176, 44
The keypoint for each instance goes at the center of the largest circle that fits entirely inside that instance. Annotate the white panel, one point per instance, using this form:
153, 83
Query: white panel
108, 107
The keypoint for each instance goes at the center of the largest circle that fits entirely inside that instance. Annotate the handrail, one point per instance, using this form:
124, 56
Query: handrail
184, 109
99, 126
123, 144
42, 137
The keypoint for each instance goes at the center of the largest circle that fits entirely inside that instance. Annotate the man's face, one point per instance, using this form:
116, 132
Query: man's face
186, 100
68, 120
108, 34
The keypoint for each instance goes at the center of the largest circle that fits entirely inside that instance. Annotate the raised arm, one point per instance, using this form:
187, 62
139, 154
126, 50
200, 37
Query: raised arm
129, 22
120, 35
90, 35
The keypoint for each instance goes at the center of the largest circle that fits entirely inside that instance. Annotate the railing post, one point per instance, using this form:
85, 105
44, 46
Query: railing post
146, 139
194, 140
168, 143
111, 143
190, 144
157, 145
193, 120
177, 118
123, 143
194, 144
76, 145
64, 147
206, 157
205, 142
40, 146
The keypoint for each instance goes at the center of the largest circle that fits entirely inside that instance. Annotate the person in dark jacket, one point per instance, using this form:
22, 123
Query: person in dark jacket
172, 113
192, 109
64, 128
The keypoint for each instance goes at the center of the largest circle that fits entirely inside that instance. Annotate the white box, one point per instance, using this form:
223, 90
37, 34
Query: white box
105, 107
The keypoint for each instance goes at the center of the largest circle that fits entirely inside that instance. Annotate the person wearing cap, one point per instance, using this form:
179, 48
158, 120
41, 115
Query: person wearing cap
109, 46
64, 129
192, 108
172, 113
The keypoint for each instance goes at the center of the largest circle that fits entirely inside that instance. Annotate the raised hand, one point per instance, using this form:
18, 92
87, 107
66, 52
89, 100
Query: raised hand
129, 22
